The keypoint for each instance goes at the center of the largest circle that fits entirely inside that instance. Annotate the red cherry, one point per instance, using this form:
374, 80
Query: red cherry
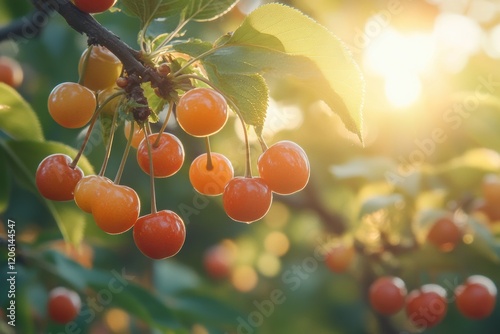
168, 156
387, 295
94, 6
476, 298
217, 261
63, 305
55, 179
247, 199
160, 235
445, 234
426, 307
285, 167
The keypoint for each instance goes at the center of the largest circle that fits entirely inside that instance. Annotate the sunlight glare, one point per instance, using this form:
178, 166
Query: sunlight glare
402, 90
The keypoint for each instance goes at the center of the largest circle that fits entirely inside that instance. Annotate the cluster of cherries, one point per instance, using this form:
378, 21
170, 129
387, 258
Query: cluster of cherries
200, 112
426, 306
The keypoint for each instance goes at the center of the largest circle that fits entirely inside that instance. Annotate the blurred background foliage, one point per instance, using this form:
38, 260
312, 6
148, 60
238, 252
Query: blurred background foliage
430, 138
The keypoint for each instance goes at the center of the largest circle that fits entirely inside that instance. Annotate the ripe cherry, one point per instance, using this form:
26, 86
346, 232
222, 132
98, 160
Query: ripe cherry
102, 68
115, 208
285, 167
55, 179
217, 261
63, 305
202, 112
476, 298
11, 72
247, 199
490, 188
426, 307
168, 156
71, 105
387, 295
160, 235
88, 189
138, 135
444, 234
210, 181
94, 6
339, 257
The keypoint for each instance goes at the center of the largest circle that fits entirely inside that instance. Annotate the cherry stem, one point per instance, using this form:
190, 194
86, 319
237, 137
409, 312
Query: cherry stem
125, 154
89, 130
262, 142
109, 146
147, 132
248, 166
164, 125
210, 164
81, 79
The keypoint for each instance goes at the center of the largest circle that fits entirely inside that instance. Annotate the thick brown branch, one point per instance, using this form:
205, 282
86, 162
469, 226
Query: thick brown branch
97, 34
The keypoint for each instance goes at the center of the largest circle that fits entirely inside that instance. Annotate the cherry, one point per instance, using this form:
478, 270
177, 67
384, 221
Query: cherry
339, 257
55, 179
426, 307
476, 298
160, 235
217, 262
102, 69
71, 105
387, 295
88, 189
168, 156
115, 208
94, 6
285, 167
490, 188
63, 305
202, 112
138, 135
246, 199
11, 72
210, 181
444, 234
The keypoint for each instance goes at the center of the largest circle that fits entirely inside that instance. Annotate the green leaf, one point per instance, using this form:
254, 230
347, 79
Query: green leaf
465, 172
277, 38
133, 298
25, 156
118, 284
170, 277
4, 181
17, 119
248, 92
198, 10
199, 306
379, 202
155, 102
206, 10
193, 47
